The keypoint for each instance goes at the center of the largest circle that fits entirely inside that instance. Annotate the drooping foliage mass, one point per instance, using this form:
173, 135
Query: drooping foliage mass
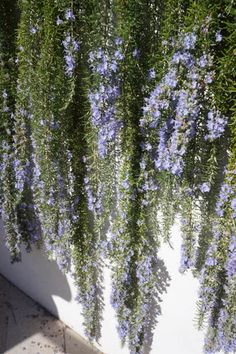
116, 117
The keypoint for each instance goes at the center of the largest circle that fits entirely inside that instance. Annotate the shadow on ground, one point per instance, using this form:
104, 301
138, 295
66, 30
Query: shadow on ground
26, 327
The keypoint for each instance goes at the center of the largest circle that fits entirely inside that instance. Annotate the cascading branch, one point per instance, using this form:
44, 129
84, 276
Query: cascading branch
137, 272
217, 277
103, 99
29, 227
180, 117
42, 171
113, 118
8, 78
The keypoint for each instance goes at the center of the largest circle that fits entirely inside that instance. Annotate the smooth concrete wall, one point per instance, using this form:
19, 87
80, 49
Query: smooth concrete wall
175, 333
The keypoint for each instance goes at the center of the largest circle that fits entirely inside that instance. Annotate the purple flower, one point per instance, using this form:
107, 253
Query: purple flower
125, 184
51, 201
205, 187
170, 79
215, 125
135, 53
176, 58
118, 41
143, 165
186, 262
219, 210
190, 41
233, 204
33, 30
225, 192
203, 61
231, 262
114, 66
218, 36
75, 45
209, 78
69, 15
144, 270
119, 55
4, 94
148, 147
102, 68
58, 21
71, 47
151, 74
70, 64
103, 98
210, 261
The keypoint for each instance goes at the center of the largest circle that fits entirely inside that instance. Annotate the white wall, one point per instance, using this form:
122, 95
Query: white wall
175, 332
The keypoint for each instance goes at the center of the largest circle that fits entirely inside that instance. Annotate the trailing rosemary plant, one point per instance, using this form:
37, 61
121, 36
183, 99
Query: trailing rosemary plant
119, 116
8, 81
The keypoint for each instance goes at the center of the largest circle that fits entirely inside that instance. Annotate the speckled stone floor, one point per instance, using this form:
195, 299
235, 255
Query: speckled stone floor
27, 328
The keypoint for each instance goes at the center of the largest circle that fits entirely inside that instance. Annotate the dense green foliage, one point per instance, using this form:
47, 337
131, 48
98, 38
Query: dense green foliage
116, 117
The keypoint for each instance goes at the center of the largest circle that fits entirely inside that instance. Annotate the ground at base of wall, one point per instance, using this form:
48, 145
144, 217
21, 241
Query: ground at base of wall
27, 328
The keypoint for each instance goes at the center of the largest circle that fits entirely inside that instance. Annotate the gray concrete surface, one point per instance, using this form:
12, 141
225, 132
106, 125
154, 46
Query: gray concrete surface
27, 328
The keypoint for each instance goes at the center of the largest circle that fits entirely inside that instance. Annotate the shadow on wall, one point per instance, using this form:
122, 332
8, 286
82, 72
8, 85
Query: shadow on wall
40, 279
155, 308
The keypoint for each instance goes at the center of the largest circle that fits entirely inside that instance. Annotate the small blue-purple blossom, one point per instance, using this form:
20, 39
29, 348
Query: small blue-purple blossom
233, 204
189, 40
218, 36
95, 204
225, 192
70, 63
209, 77
151, 74
71, 47
136, 53
226, 342
144, 270
103, 99
33, 30
174, 136
143, 164
125, 183
182, 107
171, 78
205, 187
219, 209
4, 94
216, 124
69, 15
5, 107
118, 41
186, 261
203, 61
210, 261
58, 21
118, 55
231, 262
184, 58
